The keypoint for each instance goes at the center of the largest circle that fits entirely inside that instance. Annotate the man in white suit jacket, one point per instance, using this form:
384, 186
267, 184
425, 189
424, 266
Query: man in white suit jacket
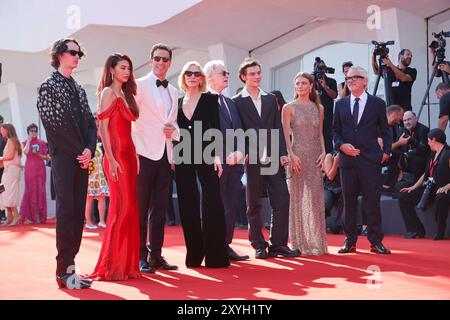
152, 135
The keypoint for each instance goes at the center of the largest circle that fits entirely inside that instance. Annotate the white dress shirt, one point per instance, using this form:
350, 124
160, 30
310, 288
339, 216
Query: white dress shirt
257, 101
258, 105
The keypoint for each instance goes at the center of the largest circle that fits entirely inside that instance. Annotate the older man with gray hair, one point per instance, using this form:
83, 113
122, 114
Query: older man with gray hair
358, 120
217, 80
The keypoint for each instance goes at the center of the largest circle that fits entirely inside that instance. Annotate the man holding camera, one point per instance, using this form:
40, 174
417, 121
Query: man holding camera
414, 146
401, 78
394, 114
434, 183
327, 91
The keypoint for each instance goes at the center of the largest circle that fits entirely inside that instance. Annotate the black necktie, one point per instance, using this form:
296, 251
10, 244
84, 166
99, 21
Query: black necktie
356, 111
163, 83
224, 105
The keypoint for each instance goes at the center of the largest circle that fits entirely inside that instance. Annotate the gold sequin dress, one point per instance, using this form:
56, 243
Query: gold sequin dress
307, 228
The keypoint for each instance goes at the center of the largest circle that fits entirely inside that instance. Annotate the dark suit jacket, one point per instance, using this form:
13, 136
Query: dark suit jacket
441, 173
64, 134
225, 124
270, 119
206, 112
363, 136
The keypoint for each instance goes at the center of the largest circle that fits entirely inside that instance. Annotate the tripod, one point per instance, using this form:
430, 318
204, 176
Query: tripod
427, 92
383, 71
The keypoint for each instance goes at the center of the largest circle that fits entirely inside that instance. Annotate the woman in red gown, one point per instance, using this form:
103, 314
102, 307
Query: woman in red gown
119, 256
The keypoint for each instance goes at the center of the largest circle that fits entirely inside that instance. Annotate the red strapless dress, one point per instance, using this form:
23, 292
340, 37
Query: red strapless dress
119, 256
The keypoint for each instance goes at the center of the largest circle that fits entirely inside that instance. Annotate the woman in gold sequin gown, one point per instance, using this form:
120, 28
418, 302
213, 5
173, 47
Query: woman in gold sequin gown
302, 126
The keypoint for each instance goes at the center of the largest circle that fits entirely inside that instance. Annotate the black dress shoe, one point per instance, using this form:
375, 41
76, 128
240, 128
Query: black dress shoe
73, 281
413, 235
261, 253
283, 251
348, 247
161, 263
145, 268
379, 248
232, 255
438, 237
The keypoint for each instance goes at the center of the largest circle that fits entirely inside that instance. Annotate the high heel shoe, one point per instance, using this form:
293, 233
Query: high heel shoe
14, 222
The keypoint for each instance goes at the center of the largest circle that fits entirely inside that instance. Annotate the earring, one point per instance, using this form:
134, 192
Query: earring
112, 76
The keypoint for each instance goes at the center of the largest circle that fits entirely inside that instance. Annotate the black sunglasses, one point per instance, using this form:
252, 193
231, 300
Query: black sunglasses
158, 59
224, 73
33, 130
73, 53
192, 73
353, 78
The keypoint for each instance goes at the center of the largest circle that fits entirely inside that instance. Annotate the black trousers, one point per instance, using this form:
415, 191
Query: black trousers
204, 229
328, 134
152, 186
170, 208
230, 186
364, 178
407, 203
71, 189
279, 200
393, 169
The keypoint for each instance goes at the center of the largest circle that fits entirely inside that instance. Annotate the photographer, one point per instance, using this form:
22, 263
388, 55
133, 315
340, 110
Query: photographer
437, 51
435, 182
414, 146
394, 115
327, 91
443, 94
401, 77
343, 88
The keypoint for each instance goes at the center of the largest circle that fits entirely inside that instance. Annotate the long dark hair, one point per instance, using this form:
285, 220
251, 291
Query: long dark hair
12, 135
312, 94
128, 88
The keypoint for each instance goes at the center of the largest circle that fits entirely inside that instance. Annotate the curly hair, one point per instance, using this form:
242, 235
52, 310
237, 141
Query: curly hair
58, 48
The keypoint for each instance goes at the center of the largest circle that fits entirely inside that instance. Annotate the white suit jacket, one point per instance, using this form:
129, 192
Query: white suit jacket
147, 130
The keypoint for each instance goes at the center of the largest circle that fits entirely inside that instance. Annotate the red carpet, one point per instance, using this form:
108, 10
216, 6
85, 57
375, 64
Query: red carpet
417, 269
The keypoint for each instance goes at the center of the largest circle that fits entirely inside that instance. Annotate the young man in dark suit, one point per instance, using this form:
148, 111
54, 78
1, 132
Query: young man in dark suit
359, 120
258, 112
72, 136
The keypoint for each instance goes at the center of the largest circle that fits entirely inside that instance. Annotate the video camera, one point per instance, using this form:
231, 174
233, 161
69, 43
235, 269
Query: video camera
439, 45
381, 48
320, 70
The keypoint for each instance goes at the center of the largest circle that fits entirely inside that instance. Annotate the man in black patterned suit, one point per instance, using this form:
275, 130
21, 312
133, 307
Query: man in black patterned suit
72, 136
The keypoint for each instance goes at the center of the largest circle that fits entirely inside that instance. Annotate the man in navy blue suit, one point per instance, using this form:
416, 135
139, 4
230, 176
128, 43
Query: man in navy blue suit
359, 120
230, 180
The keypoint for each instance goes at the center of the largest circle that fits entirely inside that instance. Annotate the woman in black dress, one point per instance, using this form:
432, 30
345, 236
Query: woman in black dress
204, 229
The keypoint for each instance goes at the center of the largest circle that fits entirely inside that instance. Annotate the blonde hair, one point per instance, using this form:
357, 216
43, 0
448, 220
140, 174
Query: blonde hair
181, 81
